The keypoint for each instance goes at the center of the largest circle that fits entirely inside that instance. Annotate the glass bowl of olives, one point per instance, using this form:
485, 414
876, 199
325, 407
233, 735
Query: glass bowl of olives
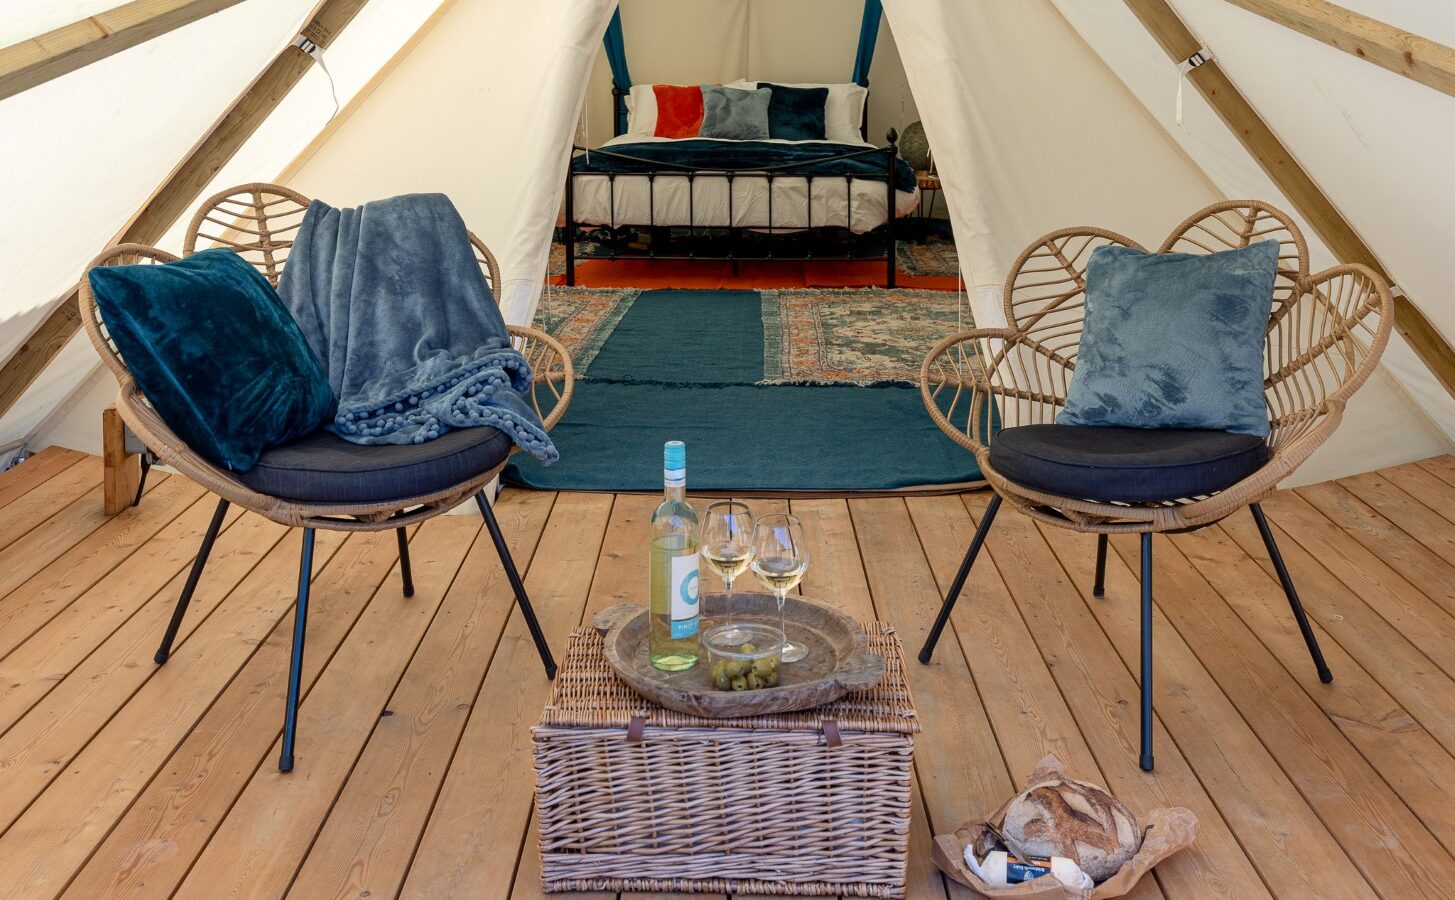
742, 656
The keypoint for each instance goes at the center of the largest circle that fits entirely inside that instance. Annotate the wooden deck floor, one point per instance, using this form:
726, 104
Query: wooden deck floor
414, 774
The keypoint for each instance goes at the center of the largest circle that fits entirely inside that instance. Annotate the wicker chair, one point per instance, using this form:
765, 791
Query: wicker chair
1324, 338
258, 221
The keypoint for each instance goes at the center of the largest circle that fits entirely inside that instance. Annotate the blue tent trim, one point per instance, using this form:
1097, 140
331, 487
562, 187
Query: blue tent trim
868, 36
621, 79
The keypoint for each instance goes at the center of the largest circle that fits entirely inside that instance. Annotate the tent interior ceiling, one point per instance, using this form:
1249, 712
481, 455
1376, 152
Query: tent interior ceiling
1042, 113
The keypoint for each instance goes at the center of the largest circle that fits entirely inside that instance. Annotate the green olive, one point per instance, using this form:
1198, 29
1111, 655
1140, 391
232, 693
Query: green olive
735, 667
754, 681
764, 666
722, 681
748, 649
771, 679
740, 683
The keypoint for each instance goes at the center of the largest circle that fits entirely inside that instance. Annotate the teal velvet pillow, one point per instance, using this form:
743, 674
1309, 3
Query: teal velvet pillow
215, 352
1174, 340
796, 114
734, 113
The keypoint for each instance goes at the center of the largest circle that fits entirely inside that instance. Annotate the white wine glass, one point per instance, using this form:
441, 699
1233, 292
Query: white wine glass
727, 540
780, 557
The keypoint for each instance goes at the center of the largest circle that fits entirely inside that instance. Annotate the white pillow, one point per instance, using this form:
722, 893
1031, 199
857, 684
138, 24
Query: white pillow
641, 111
843, 111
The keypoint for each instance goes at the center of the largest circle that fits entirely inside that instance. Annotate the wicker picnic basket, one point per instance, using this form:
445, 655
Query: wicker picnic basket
635, 797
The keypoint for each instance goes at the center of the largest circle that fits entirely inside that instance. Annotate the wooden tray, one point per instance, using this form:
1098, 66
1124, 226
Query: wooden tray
838, 660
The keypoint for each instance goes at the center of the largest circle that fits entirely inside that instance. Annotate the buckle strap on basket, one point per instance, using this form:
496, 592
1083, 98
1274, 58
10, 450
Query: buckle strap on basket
637, 729
831, 736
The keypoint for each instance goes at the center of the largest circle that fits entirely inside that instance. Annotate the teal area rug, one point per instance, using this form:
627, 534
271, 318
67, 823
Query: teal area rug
699, 366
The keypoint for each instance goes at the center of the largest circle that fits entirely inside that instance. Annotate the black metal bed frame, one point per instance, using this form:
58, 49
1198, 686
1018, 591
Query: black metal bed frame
767, 173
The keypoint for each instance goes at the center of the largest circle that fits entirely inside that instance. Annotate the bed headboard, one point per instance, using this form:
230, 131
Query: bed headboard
618, 111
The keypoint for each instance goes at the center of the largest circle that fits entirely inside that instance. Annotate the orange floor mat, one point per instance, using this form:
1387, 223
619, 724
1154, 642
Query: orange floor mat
764, 274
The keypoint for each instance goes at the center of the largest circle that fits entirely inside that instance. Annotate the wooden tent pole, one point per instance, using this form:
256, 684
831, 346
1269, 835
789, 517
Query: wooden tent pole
183, 185
1401, 52
37, 60
1307, 198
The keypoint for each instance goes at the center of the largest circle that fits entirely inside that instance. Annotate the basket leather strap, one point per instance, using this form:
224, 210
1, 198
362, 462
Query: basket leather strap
637, 729
831, 735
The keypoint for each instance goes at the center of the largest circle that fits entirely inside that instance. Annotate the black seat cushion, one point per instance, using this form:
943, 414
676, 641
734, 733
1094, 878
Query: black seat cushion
1128, 465
324, 468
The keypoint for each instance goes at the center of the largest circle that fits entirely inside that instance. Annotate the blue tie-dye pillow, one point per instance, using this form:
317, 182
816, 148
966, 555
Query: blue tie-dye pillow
1174, 340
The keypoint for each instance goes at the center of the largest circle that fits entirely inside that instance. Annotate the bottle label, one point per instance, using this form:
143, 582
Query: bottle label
684, 586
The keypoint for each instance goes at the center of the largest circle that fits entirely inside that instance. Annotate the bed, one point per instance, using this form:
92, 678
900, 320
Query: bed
724, 187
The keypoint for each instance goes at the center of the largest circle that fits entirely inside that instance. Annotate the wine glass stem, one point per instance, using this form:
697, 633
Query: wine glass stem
782, 625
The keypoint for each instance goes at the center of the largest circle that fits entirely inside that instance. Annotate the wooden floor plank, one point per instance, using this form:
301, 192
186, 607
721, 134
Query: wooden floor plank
1295, 826
1423, 620
187, 800
261, 843
100, 782
365, 845
1442, 466
65, 489
30, 670
1419, 769
1422, 567
469, 847
1022, 700
836, 575
1396, 663
1104, 697
60, 560
1433, 497
40, 468
958, 765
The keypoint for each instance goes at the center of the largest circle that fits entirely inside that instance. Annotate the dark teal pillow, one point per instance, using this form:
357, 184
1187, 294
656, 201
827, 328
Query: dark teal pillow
215, 352
1174, 340
796, 114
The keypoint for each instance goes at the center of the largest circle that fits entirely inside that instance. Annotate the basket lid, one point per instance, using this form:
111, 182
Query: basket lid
588, 694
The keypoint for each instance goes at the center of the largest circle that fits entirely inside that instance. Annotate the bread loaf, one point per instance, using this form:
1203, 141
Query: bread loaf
1064, 817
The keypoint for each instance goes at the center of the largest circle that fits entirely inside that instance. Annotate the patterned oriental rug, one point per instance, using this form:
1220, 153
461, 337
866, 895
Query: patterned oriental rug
825, 336
809, 390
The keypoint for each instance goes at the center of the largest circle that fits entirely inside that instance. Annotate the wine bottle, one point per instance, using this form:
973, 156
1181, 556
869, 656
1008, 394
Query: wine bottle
674, 578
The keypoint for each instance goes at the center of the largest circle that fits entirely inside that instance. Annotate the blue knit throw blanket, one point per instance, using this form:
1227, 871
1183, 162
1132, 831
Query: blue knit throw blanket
391, 299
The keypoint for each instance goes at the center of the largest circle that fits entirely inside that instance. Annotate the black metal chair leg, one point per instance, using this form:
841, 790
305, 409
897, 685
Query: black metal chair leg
193, 577
404, 571
1099, 589
959, 583
516, 584
295, 664
1287, 581
1146, 760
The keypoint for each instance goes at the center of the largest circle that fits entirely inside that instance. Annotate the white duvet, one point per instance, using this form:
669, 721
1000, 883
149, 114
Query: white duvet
858, 205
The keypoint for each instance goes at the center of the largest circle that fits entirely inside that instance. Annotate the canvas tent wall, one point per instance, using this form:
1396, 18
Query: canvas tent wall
1039, 119
80, 154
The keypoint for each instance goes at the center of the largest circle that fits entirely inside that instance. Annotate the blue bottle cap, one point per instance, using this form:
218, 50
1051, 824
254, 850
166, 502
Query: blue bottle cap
674, 455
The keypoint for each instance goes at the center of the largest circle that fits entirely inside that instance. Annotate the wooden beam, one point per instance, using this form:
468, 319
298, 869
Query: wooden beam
1401, 52
181, 188
121, 471
1301, 190
39, 59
